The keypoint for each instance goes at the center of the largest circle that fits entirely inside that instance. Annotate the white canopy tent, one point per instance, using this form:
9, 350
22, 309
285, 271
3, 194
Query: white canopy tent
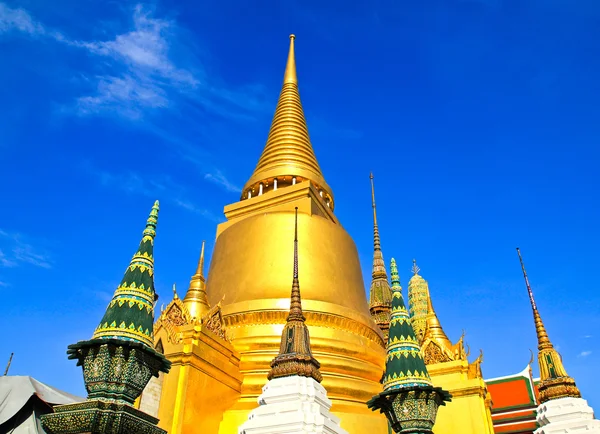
23, 400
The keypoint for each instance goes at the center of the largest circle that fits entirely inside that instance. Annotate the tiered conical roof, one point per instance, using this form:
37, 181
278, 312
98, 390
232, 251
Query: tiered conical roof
418, 294
130, 314
404, 364
554, 381
434, 330
196, 300
288, 155
295, 356
380, 302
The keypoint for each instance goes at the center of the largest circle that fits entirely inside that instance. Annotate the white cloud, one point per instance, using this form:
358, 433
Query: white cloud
150, 66
17, 252
585, 353
3, 284
158, 187
218, 178
18, 19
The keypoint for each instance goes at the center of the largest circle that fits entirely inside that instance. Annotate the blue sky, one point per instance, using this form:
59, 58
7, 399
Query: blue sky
479, 119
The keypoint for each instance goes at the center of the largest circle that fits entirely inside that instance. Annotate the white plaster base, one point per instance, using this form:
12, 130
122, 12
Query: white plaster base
292, 405
566, 415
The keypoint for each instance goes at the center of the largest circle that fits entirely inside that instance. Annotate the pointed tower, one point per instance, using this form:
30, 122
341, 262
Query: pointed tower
120, 359
561, 409
405, 365
195, 299
293, 401
380, 302
554, 381
295, 356
247, 267
288, 157
418, 293
409, 400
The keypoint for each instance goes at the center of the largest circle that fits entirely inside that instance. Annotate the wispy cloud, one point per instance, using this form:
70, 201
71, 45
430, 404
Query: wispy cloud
588, 336
3, 284
18, 19
155, 188
148, 67
15, 251
218, 178
585, 353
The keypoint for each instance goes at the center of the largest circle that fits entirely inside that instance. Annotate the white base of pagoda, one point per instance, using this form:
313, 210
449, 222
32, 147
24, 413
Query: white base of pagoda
292, 405
566, 416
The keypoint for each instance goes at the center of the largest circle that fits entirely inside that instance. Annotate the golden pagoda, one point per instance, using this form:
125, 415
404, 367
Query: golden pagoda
449, 367
380, 299
554, 382
221, 355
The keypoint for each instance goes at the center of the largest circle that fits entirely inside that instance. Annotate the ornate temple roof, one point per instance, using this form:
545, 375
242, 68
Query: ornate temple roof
515, 402
554, 380
404, 364
380, 302
288, 156
130, 313
295, 356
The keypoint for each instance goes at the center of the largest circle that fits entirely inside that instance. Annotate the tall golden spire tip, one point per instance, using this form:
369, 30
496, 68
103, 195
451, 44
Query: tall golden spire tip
290, 69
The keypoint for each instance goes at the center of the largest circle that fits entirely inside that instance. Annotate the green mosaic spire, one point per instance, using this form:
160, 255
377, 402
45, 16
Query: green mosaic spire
404, 366
130, 314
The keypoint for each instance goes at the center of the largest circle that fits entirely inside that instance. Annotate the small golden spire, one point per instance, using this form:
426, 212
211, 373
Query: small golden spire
295, 355
288, 156
290, 69
196, 299
554, 380
434, 330
175, 296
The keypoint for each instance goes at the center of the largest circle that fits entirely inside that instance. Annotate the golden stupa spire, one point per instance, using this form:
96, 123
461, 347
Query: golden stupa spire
288, 157
380, 300
195, 299
433, 328
295, 355
554, 381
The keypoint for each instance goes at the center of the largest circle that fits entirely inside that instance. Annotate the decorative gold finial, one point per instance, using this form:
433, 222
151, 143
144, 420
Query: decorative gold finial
373, 199
554, 380
175, 292
415, 269
200, 269
290, 69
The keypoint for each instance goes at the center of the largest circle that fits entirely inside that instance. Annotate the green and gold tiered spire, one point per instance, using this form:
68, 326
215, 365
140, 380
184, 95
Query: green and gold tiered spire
130, 314
409, 400
295, 356
380, 301
120, 359
554, 382
404, 366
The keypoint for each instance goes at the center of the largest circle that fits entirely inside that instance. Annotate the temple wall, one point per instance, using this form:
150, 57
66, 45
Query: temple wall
468, 413
204, 381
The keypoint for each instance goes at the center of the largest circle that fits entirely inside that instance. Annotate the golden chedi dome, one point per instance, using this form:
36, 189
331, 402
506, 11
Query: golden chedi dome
250, 269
